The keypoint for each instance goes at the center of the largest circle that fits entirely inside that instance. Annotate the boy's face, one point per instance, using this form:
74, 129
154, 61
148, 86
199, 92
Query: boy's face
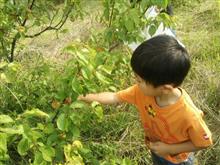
146, 88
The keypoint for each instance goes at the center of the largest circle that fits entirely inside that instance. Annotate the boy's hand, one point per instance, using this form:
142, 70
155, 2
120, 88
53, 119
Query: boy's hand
163, 149
160, 148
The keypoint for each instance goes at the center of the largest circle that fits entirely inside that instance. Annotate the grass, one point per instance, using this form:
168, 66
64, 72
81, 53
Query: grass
199, 29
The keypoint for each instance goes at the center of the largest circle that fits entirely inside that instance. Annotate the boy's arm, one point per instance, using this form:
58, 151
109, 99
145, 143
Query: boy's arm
163, 149
103, 98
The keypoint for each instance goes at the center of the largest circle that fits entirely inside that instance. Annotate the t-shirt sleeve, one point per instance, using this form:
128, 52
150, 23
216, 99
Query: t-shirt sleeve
199, 133
128, 95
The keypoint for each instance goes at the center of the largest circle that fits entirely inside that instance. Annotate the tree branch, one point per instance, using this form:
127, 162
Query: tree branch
58, 26
112, 12
17, 36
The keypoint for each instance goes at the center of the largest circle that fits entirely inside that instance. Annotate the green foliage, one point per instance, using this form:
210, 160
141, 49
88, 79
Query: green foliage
42, 130
125, 19
21, 19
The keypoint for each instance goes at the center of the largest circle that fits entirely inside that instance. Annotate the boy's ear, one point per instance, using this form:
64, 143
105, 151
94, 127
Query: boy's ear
167, 88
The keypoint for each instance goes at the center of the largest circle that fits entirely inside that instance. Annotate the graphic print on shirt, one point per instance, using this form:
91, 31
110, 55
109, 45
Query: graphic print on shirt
150, 110
158, 128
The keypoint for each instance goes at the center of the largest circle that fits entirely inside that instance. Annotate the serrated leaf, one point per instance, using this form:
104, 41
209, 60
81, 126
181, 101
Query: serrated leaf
23, 146
5, 119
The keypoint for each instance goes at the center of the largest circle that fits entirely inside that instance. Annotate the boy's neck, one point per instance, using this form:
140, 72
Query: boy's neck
168, 98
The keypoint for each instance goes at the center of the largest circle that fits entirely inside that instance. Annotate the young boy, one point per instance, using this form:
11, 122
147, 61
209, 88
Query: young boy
173, 126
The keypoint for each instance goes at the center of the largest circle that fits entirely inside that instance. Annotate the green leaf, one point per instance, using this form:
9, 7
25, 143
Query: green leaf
77, 105
129, 24
38, 158
23, 146
62, 122
75, 131
144, 4
4, 78
47, 152
99, 112
95, 103
82, 57
35, 112
160, 3
112, 88
5, 119
102, 78
36, 135
86, 73
165, 18
52, 138
16, 130
152, 30
134, 16
3, 142
59, 157
106, 69
49, 128
76, 86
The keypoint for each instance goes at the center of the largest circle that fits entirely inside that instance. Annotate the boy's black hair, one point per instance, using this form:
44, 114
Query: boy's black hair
161, 60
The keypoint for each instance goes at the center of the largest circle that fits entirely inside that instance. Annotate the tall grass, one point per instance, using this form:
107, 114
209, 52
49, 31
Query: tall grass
199, 28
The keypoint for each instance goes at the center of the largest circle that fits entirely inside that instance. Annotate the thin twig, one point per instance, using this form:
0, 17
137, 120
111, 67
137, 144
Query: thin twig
13, 94
58, 26
112, 12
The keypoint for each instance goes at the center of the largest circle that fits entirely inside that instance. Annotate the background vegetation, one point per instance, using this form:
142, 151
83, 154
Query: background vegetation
40, 120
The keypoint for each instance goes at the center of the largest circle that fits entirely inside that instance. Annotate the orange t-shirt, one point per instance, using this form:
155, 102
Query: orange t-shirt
176, 123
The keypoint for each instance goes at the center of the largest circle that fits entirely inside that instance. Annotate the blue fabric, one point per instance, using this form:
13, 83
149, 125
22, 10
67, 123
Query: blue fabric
161, 161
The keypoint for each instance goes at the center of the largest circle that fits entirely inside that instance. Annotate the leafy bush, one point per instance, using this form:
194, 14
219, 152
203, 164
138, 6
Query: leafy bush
44, 117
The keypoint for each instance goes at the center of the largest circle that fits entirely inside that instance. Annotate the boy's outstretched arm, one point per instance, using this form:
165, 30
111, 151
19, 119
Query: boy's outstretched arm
103, 98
